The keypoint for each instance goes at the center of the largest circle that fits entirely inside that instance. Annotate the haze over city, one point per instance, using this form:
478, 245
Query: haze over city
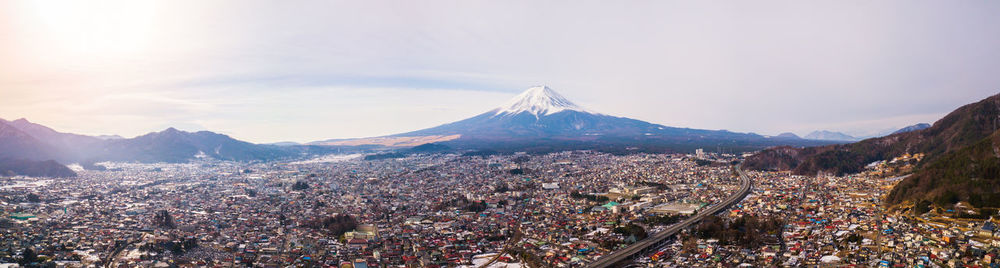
268, 72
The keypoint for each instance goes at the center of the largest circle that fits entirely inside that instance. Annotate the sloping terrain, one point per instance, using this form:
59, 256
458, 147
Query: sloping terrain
962, 127
969, 174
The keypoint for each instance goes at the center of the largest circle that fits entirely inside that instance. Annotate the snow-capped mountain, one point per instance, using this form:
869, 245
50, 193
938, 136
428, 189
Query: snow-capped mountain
540, 112
538, 101
541, 117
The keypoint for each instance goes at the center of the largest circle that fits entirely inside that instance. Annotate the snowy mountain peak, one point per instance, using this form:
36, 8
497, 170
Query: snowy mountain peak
539, 100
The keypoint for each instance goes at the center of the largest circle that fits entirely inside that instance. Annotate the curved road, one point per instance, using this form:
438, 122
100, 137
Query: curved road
638, 247
510, 243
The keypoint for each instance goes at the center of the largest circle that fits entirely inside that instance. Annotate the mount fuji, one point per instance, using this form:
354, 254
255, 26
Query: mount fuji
542, 118
537, 101
540, 112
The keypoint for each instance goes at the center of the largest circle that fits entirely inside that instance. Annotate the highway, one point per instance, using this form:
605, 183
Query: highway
654, 240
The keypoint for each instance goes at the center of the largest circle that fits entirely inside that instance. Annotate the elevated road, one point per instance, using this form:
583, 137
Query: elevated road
652, 242
510, 243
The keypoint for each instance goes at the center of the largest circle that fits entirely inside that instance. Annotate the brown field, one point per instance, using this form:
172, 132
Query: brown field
394, 141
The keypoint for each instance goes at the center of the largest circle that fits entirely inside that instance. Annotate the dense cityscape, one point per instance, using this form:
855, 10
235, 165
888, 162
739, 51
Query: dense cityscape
442, 210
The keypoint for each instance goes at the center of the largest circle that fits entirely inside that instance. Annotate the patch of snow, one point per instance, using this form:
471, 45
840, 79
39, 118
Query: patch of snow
598, 231
829, 259
75, 167
479, 260
27, 184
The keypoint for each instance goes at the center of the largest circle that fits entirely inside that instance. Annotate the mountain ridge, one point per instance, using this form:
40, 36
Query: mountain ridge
971, 174
173, 145
36, 150
962, 127
914, 127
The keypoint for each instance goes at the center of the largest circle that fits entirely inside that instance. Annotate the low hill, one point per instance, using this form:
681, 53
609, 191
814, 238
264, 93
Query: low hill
788, 135
48, 168
912, 128
430, 148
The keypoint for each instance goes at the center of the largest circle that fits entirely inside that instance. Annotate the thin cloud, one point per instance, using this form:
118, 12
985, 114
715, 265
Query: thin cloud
331, 69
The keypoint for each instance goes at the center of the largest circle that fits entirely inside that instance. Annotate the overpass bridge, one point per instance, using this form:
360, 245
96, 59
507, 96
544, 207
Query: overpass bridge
655, 241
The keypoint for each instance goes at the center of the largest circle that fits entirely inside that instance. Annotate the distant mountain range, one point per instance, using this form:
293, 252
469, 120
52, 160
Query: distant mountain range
912, 128
960, 162
539, 119
172, 145
829, 136
840, 136
960, 128
36, 150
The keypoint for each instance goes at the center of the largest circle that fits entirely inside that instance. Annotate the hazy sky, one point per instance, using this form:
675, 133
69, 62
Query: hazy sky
265, 72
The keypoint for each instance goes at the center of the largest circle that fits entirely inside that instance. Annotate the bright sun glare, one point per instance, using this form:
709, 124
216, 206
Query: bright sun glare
83, 31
